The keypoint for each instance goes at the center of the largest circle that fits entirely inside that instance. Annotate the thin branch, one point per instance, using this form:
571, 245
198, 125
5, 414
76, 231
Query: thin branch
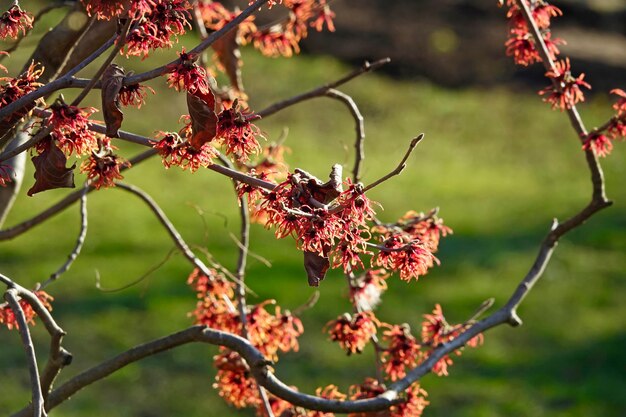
322, 90
171, 230
121, 41
11, 296
80, 241
57, 84
138, 78
68, 200
359, 153
400, 166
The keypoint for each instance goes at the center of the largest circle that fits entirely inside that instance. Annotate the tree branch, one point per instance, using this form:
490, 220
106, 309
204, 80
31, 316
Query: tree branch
37, 397
400, 166
80, 241
322, 90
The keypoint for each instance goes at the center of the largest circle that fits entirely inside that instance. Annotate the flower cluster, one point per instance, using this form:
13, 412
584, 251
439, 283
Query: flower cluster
521, 45
412, 406
7, 315
565, 92
436, 331
367, 289
408, 245
269, 332
14, 88
283, 38
353, 332
237, 133
162, 21
134, 95
185, 74
175, 150
103, 166
14, 21
601, 144
70, 128
403, 351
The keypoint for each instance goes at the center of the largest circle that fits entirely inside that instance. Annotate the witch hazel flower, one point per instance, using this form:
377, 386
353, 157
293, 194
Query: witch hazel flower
599, 143
353, 332
14, 21
185, 74
7, 315
103, 165
176, 151
237, 132
70, 128
566, 89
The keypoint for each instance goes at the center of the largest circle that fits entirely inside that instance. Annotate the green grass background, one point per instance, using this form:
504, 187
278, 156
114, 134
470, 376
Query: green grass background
498, 163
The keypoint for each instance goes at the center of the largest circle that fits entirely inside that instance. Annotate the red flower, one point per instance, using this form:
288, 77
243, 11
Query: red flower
620, 105
600, 144
174, 150
237, 133
353, 333
403, 351
215, 307
7, 316
566, 89
411, 259
14, 88
331, 392
70, 127
134, 95
237, 387
414, 404
103, 166
166, 20
367, 289
187, 75
544, 12
370, 388
325, 16
14, 21
617, 129
103, 9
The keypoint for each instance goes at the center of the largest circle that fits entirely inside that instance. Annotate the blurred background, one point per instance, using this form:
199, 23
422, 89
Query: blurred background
496, 160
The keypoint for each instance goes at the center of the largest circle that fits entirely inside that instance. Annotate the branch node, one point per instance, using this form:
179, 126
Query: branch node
514, 320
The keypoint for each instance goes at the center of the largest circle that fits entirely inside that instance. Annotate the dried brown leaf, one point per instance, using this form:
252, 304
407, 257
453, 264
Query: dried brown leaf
203, 118
112, 80
50, 171
227, 50
316, 267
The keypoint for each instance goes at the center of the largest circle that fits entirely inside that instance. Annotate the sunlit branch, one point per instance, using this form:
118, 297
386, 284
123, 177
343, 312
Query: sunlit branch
11, 296
400, 166
80, 241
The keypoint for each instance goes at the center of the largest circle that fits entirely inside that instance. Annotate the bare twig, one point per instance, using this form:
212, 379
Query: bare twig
20, 228
11, 296
400, 166
80, 241
359, 151
119, 44
171, 230
321, 91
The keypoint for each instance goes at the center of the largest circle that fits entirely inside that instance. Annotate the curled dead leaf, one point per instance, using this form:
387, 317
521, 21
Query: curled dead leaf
112, 80
316, 267
203, 118
50, 171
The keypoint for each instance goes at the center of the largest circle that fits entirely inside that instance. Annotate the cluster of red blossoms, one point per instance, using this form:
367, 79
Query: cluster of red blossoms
270, 332
103, 166
566, 89
279, 39
70, 128
7, 315
14, 21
